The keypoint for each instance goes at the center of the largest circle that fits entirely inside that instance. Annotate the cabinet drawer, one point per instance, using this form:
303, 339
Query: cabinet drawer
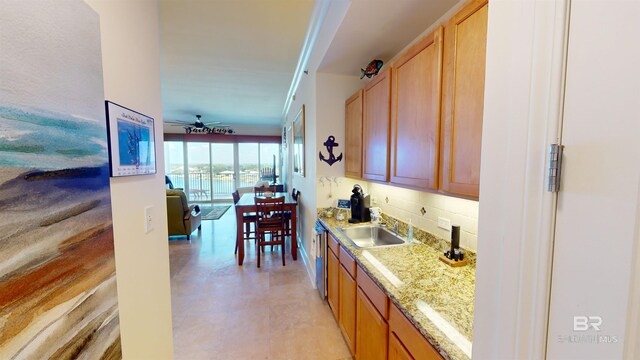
348, 262
416, 344
334, 245
377, 297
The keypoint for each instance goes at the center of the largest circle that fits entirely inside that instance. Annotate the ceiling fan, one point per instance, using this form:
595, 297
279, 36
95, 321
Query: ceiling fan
198, 124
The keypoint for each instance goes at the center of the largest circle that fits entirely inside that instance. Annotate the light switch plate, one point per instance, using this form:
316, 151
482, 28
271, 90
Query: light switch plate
148, 219
444, 223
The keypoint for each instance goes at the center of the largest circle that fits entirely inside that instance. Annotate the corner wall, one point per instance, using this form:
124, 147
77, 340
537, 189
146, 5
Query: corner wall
306, 185
131, 64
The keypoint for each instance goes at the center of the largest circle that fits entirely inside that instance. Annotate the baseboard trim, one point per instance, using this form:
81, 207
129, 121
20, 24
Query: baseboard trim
307, 264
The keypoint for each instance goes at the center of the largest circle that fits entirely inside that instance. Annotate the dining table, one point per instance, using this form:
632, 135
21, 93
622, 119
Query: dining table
247, 204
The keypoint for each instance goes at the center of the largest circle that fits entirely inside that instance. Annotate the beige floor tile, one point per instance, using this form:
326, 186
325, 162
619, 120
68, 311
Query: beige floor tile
225, 311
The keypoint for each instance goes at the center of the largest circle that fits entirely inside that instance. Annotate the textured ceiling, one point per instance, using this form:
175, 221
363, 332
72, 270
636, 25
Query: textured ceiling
230, 61
379, 29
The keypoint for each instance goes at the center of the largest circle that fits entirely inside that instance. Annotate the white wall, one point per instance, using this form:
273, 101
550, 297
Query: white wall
331, 92
131, 62
306, 185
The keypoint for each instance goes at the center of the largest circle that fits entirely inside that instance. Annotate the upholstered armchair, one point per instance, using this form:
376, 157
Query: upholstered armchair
182, 218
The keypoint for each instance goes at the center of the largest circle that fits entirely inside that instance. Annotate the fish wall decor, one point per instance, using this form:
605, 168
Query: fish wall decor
372, 69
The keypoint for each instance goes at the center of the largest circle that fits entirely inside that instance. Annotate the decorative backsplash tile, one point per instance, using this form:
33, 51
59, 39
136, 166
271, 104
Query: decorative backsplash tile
423, 236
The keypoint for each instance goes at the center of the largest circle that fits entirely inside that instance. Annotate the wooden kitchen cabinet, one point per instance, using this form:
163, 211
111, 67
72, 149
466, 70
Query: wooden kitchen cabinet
465, 39
371, 330
410, 342
375, 130
353, 136
416, 93
372, 314
347, 307
397, 351
333, 288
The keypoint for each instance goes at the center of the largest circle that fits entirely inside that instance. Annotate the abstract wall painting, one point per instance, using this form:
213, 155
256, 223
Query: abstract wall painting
131, 141
57, 270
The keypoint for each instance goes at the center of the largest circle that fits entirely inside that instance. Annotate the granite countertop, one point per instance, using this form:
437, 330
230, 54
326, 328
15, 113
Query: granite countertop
436, 298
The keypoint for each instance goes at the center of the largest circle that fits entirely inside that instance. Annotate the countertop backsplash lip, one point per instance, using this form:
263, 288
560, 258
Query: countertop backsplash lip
423, 280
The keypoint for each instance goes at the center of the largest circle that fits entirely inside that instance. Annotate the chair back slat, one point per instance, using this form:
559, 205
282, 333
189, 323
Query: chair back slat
270, 212
236, 197
259, 191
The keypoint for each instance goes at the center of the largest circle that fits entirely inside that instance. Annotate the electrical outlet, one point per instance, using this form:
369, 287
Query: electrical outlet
148, 219
444, 223
374, 200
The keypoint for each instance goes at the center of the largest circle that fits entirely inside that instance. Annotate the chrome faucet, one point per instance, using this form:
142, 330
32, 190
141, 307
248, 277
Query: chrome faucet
395, 227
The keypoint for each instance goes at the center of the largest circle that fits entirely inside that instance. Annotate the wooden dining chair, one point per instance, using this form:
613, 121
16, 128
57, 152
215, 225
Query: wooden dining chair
259, 191
270, 221
287, 215
247, 220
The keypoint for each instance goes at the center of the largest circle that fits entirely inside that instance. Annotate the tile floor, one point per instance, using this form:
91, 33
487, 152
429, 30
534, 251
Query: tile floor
225, 311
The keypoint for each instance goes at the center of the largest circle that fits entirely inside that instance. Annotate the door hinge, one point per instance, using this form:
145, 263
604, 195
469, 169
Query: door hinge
555, 167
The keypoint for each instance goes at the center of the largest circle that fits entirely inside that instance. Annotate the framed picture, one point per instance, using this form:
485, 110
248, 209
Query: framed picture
298, 143
131, 139
284, 137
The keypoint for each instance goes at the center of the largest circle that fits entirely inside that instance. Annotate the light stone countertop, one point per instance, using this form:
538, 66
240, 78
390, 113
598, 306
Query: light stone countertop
436, 298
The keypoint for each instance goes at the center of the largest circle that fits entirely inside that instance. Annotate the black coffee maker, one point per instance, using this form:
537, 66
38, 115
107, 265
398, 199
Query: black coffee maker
359, 206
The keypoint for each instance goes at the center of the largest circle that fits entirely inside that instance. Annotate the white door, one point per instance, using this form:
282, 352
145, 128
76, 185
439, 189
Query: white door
597, 216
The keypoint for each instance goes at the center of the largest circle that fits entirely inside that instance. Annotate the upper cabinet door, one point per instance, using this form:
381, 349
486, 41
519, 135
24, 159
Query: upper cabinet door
465, 48
415, 114
353, 135
376, 128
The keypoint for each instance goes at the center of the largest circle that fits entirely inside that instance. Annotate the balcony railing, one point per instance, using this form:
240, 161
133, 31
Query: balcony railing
200, 184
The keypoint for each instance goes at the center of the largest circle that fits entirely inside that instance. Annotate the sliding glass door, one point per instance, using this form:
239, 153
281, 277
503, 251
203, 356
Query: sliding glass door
248, 164
210, 172
223, 171
174, 162
198, 172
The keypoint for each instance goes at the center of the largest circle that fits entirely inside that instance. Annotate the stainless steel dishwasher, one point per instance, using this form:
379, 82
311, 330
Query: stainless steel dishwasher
321, 259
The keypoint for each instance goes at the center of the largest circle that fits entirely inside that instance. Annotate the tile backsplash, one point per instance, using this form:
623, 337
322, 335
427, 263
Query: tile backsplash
406, 204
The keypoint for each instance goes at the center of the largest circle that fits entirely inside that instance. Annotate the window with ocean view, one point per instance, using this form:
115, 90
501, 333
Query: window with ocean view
210, 172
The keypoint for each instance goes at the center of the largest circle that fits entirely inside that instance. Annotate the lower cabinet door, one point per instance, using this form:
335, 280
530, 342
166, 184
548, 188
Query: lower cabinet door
414, 344
333, 269
397, 351
371, 330
348, 308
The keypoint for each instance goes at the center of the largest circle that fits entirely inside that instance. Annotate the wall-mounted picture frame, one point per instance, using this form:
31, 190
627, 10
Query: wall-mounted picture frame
298, 143
131, 140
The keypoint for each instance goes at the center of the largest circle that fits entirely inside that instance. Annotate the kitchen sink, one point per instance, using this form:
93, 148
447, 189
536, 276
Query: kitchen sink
369, 236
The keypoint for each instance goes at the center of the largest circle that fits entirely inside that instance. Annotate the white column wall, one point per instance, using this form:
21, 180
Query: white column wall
131, 64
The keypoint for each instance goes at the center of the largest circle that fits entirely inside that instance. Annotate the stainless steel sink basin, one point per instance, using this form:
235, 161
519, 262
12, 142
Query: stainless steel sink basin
369, 236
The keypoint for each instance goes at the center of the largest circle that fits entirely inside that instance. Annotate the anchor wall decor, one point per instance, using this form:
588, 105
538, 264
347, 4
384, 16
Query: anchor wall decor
330, 144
